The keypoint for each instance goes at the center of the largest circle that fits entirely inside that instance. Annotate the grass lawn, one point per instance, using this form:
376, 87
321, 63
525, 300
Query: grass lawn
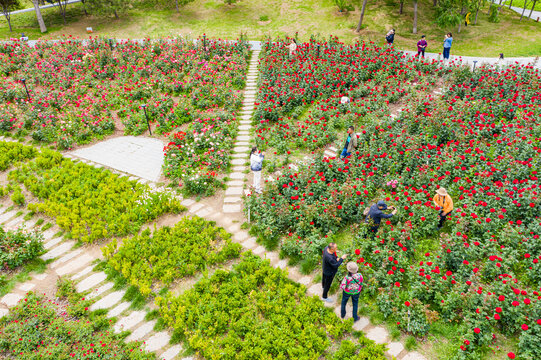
287, 17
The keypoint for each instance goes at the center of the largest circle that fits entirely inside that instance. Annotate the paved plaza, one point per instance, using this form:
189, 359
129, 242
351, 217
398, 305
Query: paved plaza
139, 156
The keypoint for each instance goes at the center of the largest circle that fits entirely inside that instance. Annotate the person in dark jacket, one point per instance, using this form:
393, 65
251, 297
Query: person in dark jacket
331, 262
375, 214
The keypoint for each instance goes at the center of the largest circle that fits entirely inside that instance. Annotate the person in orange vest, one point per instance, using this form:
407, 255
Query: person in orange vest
444, 203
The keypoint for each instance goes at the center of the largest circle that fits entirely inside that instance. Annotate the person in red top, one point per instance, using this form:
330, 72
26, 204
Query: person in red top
421, 46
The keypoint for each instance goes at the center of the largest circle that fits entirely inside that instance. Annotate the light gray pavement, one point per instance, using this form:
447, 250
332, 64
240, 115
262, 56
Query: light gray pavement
469, 60
536, 15
139, 156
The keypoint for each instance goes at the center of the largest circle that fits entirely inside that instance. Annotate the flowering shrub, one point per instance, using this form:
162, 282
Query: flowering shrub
89, 202
39, 328
170, 253
252, 311
298, 103
481, 141
83, 90
17, 247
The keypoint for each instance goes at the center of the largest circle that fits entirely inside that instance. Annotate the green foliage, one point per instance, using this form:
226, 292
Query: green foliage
41, 329
365, 350
18, 247
253, 311
448, 12
108, 7
150, 261
344, 5
12, 152
91, 203
494, 16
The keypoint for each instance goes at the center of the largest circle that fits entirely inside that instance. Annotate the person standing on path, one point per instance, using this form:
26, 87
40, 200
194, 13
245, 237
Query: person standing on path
444, 203
331, 262
351, 288
447, 42
390, 38
256, 165
350, 144
421, 47
375, 214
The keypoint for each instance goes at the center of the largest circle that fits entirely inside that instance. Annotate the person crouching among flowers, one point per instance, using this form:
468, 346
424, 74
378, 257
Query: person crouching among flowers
444, 203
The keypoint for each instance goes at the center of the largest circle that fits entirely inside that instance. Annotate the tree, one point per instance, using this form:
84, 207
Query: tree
477, 5
62, 4
533, 7
415, 16
180, 3
107, 7
41, 23
401, 7
362, 15
7, 7
526, 2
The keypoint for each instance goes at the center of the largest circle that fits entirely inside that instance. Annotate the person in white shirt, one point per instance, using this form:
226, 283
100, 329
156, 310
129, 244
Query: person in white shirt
344, 100
292, 47
24, 37
256, 165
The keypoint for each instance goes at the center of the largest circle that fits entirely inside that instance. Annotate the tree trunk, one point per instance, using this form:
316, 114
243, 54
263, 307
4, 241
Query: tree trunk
435, 3
479, 4
401, 6
62, 5
510, 4
460, 23
415, 16
42, 26
523, 10
176, 4
533, 6
8, 18
362, 15
84, 7
116, 15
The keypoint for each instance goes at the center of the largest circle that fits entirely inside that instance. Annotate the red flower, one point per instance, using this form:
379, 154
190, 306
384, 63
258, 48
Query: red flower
357, 252
407, 303
511, 355
477, 330
524, 327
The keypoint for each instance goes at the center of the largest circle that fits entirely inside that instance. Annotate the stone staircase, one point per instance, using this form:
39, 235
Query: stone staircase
241, 151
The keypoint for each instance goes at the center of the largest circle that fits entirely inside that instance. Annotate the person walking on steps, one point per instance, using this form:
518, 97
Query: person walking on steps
256, 165
375, 214
350, 144
390, 38
331, 262
421, 47
447, 42
444, 204
351, 288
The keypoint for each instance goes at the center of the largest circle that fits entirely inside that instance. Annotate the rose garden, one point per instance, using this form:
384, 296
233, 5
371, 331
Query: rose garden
98, 263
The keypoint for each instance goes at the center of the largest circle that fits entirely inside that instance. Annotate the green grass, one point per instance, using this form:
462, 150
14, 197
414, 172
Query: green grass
8, 282
286, 18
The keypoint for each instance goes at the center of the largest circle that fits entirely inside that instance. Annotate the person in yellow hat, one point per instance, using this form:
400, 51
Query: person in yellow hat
444, 203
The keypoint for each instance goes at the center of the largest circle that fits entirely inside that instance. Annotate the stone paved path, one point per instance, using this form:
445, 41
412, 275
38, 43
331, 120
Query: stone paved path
241, 150
139, 156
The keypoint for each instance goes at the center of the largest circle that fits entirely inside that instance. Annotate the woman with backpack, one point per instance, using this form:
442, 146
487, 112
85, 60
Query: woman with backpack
351, 287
